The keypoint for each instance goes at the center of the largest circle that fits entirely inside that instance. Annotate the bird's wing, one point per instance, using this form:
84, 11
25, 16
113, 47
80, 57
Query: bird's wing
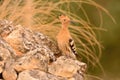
72, 46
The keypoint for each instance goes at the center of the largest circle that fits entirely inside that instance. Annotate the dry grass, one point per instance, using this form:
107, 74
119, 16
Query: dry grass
42, 15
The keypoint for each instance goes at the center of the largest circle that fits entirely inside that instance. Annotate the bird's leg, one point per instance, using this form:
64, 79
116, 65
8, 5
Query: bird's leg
70, 55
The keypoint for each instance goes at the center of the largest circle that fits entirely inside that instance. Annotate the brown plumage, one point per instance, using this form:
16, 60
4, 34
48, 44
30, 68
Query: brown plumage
64, 39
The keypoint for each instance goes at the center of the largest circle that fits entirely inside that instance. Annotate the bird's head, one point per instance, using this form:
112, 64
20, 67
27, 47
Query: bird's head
64, 19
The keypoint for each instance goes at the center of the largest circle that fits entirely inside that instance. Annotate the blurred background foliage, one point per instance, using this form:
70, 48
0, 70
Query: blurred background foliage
111, 40
93, 25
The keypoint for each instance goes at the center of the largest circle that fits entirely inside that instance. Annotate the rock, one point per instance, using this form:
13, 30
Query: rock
23, 40
9, 73
36, 59
25, 75
17, 40
65, 67
51, 45
37, 75
79, 76
72, 79
6, 28
5, 54
28, 55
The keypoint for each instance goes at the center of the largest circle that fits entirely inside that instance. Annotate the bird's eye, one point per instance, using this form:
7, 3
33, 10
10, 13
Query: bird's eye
64, 20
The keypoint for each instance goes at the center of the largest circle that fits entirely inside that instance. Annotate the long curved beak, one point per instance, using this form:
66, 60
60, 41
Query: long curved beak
72, 22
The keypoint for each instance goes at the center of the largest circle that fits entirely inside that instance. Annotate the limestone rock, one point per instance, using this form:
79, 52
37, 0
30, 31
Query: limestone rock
9, 73
28, 55
66, 67
37, 75
51, 45
36, 59
79, 76
5, 54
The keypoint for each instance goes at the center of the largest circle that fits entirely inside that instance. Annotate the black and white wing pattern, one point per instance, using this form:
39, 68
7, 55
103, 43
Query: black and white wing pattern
72, 46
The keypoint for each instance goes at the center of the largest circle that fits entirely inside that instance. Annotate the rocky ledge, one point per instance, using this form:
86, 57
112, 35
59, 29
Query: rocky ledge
28, 55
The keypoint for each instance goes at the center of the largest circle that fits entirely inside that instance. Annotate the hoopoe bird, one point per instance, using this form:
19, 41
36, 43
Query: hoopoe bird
64, 39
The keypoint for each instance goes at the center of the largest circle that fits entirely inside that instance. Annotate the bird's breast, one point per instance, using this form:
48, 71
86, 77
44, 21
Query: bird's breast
63, 37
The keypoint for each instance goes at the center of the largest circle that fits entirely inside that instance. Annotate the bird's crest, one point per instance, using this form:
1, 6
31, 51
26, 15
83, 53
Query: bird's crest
64, 19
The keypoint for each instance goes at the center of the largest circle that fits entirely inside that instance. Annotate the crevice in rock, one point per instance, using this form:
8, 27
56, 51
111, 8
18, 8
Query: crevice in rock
1, 77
